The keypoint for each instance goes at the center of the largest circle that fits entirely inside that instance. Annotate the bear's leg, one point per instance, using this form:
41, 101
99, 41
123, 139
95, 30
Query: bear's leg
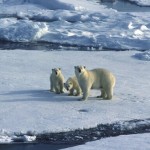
61, 87
78, 92
57, 89
85, 94
103, 94
52, 86
71, 92
109, 92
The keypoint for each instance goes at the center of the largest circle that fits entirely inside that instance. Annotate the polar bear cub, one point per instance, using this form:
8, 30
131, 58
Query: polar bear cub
72, 86
56, 81
95, 79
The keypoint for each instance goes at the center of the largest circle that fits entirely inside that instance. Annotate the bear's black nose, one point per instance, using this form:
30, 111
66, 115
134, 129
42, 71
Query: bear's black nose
79, 70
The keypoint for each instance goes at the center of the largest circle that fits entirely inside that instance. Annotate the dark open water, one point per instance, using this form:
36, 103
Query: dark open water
33, 146
68, 139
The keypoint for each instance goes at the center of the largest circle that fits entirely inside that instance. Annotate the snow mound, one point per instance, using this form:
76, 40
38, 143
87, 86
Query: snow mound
143, 56
141, 2
15, 30
5, 139
8, 137
24, 138
14, 2
53, 4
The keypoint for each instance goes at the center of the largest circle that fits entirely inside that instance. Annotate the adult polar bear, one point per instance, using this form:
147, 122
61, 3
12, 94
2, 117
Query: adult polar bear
95, 79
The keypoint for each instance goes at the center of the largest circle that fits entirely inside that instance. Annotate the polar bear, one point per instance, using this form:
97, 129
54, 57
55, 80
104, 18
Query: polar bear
95, 79
56, 81
72, 86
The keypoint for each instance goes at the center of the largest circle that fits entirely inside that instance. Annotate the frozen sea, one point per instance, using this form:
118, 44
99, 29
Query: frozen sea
38, 35
73, 23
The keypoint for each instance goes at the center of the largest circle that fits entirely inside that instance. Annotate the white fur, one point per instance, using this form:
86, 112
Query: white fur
95, 79
56, 81
72, 86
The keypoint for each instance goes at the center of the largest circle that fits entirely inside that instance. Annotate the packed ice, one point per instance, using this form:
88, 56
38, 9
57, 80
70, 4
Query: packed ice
25, 101
73, 23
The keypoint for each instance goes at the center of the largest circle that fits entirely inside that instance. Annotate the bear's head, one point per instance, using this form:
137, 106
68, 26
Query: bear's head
79, 70
56, 71
68, 85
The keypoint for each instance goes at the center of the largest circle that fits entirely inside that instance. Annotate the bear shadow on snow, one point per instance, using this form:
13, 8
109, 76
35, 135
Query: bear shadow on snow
37, 95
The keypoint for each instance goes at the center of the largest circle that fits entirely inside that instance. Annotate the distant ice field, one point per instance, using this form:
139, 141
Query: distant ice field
72, 23
126, 5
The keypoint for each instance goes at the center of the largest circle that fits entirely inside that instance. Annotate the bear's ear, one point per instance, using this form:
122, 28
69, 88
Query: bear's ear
75, 67
53, 69
84, 67
59, 68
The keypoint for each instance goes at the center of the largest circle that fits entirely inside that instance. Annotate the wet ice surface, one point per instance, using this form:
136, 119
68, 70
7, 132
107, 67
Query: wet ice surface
34, 146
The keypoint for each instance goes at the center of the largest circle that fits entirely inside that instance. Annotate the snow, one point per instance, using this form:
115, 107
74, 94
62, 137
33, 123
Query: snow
23, 138
81, 23
143, 56
26, 105
123, 142
141, 2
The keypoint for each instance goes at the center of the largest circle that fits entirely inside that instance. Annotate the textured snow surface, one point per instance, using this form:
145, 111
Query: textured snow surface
26, 105
143, 56
141, 2
123, 142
